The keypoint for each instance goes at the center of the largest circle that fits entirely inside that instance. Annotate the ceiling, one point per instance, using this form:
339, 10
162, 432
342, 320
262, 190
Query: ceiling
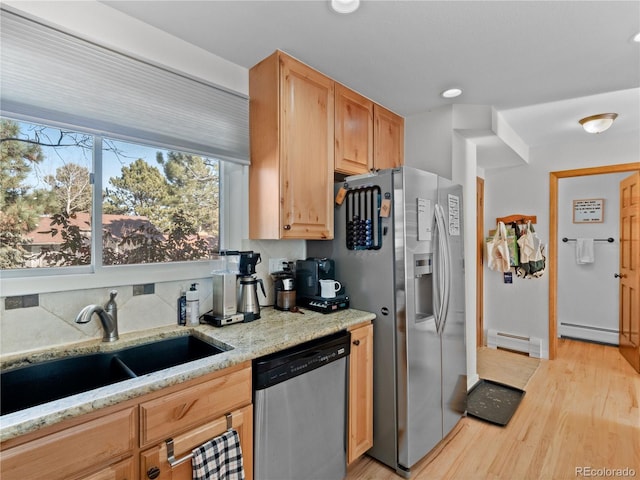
542, 64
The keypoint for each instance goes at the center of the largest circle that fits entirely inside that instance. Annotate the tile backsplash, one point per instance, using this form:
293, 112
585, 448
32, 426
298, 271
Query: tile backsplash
52, 321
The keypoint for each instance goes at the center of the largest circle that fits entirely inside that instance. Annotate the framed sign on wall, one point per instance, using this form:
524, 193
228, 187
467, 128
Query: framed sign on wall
589, 210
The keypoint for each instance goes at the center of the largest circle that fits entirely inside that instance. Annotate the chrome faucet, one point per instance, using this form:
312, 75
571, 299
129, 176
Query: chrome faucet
108, 317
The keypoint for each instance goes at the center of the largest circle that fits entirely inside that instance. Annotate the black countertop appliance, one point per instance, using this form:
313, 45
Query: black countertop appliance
309, 272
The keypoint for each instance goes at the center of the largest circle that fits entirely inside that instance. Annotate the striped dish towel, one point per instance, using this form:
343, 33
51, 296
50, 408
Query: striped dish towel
219, 458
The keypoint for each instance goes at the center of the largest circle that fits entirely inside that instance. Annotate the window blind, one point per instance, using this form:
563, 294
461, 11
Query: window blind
50, 75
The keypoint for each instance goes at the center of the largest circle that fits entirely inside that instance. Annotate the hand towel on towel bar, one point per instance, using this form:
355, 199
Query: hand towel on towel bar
219, 458
584, 251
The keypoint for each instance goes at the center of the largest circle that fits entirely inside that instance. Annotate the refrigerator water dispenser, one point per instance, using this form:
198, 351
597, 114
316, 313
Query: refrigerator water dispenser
423, 284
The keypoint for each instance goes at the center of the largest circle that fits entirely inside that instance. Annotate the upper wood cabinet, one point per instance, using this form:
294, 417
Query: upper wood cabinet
388, 138
291, 122
353, 132
368, 136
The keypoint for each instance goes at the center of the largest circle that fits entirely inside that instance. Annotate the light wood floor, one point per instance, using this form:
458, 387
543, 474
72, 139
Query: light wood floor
506, 367
580, 411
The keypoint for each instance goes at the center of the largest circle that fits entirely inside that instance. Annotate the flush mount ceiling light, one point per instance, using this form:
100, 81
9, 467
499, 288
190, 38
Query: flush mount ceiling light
598, 123
636, 37
345, 6
451, 93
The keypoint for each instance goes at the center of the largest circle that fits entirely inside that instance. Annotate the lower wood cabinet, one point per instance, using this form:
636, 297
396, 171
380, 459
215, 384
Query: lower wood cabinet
75, 451
360, 409
128, 441
155, 462
124, 470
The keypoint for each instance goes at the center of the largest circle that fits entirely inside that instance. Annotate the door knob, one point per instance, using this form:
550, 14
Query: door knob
618, 275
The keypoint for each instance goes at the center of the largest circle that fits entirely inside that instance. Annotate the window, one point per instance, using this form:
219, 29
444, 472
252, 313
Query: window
157, 205
122, 115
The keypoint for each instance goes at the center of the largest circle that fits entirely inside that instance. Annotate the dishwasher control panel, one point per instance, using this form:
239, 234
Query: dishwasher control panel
289, 363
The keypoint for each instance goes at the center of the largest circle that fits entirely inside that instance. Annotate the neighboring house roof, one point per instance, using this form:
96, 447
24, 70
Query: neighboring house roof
118, 225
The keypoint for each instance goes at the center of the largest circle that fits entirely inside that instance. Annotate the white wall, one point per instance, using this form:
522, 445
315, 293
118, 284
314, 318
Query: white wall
522, 307
464, 172
428, 141
588, 293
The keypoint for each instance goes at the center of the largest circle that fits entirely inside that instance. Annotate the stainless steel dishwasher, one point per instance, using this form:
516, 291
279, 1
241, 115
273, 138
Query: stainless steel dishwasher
300, 411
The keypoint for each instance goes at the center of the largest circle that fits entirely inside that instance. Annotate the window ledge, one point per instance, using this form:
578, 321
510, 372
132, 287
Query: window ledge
107, 277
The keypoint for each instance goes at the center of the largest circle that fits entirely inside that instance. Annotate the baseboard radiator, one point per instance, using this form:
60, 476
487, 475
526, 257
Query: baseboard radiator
591, 333
529, 345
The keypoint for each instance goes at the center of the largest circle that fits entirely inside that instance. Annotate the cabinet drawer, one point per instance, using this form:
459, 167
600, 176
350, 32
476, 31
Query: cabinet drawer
64, 454
172, 414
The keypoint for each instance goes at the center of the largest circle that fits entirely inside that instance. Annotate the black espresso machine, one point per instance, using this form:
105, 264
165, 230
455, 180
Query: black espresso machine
309, 272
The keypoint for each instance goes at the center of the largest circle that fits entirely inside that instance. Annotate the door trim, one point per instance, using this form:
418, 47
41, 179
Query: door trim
479, 262
552, 261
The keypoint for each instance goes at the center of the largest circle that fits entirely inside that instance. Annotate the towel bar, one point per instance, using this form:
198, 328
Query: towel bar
173, 461
610, 239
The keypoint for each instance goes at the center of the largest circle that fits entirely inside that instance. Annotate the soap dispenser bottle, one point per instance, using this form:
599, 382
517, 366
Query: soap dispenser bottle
182, 308
193, 306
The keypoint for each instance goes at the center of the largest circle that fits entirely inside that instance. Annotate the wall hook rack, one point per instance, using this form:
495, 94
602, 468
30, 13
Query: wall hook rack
517, 218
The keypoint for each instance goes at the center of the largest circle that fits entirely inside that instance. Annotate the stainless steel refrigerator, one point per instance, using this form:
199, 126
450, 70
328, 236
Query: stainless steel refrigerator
398, 251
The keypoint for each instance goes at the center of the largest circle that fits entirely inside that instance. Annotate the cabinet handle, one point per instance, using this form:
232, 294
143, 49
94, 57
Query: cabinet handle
153, 472
356, 342
287, 227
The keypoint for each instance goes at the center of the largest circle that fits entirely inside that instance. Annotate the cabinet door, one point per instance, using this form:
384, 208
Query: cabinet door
154, 463
120, 471
353, 132
388, 150
306, 151
360, 423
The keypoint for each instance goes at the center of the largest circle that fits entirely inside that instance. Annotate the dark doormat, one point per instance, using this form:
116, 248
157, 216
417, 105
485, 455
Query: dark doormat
493, 401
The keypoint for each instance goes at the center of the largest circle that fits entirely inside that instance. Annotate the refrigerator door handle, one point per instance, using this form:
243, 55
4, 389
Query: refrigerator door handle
444, 265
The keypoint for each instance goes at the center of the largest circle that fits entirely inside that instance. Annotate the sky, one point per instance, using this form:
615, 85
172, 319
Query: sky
111, 165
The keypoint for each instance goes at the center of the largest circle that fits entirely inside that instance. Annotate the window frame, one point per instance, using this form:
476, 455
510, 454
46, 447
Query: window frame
97, 275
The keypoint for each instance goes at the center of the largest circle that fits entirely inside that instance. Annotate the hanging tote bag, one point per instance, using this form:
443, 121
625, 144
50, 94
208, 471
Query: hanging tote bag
498, 250
537, 260
513, 233
527, 250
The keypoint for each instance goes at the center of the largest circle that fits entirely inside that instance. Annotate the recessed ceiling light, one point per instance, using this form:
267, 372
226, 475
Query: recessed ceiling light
345, 6
636, 37
451, 93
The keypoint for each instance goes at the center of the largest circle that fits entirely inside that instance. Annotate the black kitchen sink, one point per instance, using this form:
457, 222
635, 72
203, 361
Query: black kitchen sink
167, 353
44, 382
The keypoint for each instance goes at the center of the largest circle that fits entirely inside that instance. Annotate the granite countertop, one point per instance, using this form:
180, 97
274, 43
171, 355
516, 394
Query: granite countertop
274, 331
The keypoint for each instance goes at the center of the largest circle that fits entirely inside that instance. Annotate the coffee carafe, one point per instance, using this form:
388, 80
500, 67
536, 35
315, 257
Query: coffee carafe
248, 303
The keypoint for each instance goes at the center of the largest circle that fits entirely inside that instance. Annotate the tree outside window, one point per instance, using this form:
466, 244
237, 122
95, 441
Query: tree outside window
157, 205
